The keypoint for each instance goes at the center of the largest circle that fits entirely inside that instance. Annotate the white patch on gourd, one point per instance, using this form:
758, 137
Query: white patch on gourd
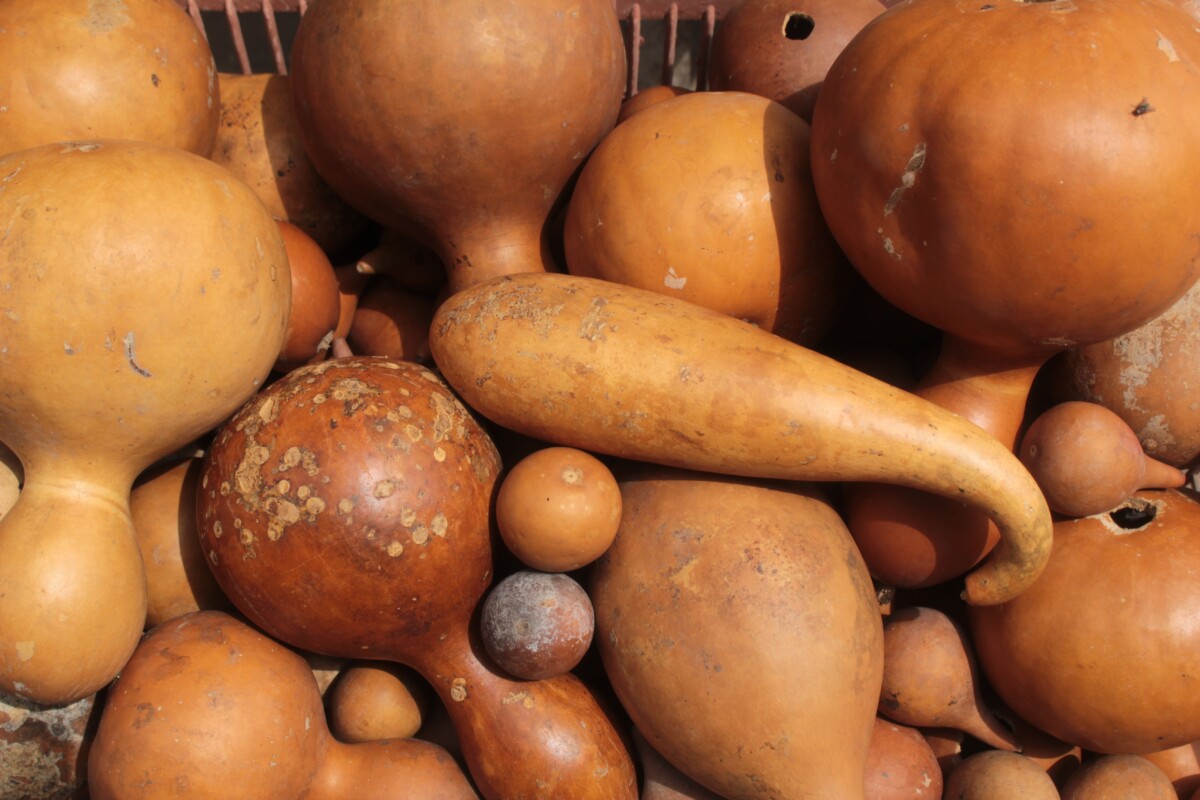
673, 280
916, 162
1165, 45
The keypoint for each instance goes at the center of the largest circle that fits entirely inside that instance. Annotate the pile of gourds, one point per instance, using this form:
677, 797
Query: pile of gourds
435, 421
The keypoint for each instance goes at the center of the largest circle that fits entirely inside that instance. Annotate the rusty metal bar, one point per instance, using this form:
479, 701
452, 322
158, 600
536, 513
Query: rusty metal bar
635, 15
239, 39
268, 12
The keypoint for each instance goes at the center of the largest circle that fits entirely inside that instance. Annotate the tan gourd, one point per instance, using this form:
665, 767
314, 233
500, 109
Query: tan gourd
162, 506
370, 479
481, 113
998, 775
931, 680
208, 707
372, 700
1088, 460
1118, 777
82, 69
258, 141
900, 764
738, 627
167, 286
628, 372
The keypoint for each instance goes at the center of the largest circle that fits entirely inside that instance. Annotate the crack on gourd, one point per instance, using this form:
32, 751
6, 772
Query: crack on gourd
129, 356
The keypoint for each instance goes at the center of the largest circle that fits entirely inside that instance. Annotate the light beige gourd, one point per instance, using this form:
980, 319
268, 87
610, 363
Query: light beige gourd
144, 294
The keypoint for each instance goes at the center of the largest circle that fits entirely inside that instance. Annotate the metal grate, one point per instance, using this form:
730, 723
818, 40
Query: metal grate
666, 42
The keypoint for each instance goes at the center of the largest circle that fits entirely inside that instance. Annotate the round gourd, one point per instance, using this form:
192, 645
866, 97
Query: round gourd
145, 293
105, 69
558, 508
1102, 649
782, 49
708, 197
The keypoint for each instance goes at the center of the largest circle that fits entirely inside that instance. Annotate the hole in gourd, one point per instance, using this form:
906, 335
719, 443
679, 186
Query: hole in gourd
1134, 514
798, 26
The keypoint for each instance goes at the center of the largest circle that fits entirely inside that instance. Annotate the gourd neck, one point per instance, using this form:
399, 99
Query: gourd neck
987, 387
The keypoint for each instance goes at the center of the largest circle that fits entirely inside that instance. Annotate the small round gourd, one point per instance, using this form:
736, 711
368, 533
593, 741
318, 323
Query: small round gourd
558, 509
537, 624
145, 292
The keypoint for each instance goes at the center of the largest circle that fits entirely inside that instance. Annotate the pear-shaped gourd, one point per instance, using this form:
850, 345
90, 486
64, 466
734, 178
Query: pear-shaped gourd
458, 121
740, 631
144, 294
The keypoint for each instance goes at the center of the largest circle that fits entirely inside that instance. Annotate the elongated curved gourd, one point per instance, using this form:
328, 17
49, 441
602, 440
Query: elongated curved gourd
630, 373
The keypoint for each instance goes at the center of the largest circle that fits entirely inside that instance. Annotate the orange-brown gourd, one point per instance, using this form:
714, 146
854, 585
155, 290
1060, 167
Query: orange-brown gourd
258, 141
1117, 777
368, 477
162, 506
646, 98
931, 680
782, 49
390, 320
372, 700
167, 283
316, 302
900, 764
1088, 460
739, 628
998, 775
406, 261
208, 707
81, 70
1101, 651
482, 112
558, 508
928, 152
628, 372
1060, 759
1181, 764
737, 230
